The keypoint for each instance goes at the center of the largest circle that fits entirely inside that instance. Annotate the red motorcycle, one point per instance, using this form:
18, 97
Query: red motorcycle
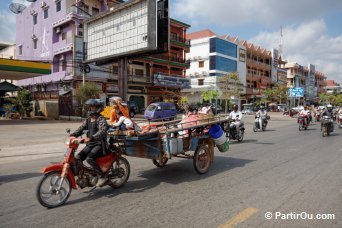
55, 187
303, 121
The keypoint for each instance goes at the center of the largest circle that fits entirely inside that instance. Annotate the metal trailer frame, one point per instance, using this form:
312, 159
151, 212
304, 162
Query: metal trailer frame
197, 143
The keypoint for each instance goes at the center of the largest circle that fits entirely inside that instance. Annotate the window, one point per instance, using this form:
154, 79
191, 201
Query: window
46, 13
222, 64
64, 36
200, 82
34, 17
200, 64
223, 47
80, 33
35, 44
115, 69
139, 72
64, 65
95, 11
20, 49
58, 6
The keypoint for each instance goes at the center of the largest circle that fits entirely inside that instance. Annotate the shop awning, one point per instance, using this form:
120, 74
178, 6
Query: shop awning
13, 69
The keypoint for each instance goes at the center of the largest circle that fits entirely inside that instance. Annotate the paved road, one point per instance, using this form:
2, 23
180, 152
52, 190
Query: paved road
282, 171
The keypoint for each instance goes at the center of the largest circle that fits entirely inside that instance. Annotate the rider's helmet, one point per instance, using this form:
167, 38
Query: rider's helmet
262, 108
235, 107
94, 106
329, 107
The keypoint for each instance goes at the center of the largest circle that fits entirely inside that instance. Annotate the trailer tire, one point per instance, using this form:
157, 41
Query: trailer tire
202, 159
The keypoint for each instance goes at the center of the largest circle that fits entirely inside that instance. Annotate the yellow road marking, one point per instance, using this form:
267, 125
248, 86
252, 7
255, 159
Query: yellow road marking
239, 218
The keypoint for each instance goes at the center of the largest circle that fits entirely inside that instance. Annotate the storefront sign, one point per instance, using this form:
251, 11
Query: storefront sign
169, 81
111, 88
296, 92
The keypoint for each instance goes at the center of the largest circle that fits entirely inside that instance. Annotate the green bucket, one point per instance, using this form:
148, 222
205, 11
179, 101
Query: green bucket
223, 147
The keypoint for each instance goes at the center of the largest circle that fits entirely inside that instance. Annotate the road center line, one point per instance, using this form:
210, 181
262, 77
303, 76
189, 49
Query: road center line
239, 218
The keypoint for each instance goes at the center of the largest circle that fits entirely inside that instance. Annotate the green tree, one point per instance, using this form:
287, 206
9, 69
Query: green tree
230, 86
85, 92
209, 94
8, 109
23, 102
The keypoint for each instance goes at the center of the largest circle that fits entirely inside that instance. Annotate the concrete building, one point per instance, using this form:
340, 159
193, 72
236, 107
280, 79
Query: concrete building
52, 31
333, 87
212, 56
320, 82
7, 51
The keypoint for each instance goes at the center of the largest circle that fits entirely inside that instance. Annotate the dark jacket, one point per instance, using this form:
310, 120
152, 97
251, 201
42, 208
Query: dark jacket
100, 135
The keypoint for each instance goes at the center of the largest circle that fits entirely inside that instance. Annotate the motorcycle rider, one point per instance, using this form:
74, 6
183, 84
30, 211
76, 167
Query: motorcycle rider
236, 116
262, 113
118, 106
328, 111
305, 112
96, 137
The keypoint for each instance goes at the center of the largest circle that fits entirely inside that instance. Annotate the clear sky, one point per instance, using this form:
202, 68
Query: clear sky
312, 29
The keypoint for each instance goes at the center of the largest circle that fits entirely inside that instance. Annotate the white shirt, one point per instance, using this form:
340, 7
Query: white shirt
304, 112
127, 121
233, 115
262, 113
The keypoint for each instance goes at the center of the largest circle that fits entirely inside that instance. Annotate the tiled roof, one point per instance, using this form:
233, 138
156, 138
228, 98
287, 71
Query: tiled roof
330, 83
200, 34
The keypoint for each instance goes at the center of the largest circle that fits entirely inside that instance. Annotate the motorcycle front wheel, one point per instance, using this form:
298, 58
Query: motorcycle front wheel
48, 192
120, 171
324, 131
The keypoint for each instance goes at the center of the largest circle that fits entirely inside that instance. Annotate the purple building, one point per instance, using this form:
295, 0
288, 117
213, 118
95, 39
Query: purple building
51, 30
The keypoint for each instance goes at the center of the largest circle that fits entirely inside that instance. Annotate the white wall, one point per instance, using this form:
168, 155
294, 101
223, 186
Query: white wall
199, 51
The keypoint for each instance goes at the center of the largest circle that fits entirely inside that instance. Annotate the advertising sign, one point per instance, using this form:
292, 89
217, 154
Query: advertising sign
274, 72
296, 92
132, 28
169, 81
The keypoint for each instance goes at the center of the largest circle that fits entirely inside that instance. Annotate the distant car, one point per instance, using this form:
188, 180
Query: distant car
133, 108
247, 112
161, 111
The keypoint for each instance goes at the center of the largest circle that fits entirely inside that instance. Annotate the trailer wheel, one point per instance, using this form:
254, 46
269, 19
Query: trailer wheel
202, 159
159, 164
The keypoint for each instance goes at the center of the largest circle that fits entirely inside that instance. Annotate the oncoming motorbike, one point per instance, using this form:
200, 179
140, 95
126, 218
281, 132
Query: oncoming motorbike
59, 179
303, 121
327, 126
260, 123
232, 132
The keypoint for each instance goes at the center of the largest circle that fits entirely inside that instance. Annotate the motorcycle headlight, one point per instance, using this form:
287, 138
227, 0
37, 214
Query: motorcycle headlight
67, 141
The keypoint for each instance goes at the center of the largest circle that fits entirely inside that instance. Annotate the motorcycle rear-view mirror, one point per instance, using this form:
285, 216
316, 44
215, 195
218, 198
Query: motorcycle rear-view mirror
68, 130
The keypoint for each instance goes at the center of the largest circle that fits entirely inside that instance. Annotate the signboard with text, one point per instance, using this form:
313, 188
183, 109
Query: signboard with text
169, 81
296, 92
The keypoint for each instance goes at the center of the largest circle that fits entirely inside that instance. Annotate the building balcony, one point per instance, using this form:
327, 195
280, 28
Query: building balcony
177, 61
178, 41
71, 14
134, 79
62, 46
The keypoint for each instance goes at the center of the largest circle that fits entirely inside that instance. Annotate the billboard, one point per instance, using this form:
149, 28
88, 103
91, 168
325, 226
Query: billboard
296, 92
274, 72
169, 81
128, 29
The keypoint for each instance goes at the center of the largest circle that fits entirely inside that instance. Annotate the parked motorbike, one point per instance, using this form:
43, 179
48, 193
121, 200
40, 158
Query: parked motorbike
232, 132
327, 126
260, 123
303, 121
59, 179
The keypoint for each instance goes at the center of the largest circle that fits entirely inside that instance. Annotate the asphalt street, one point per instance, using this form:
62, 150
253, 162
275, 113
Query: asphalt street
289, 173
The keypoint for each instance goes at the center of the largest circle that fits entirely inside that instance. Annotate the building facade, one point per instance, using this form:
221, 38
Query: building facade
52, 31
212, 57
